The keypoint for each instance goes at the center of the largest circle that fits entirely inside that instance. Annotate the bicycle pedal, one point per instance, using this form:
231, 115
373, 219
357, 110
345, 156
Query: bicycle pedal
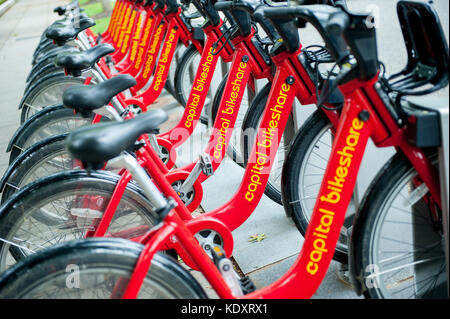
206, 165
225, 267
247, 285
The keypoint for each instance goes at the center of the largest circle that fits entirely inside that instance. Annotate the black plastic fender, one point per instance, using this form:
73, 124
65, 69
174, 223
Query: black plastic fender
45, 78
27, 123
16, 163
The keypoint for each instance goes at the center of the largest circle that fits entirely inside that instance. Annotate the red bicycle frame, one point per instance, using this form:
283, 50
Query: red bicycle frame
235, 212
118, 22
136, 50
364, 116
247, 64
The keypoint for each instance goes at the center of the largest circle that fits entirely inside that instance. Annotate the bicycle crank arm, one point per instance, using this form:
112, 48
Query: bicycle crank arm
204, 166
154, 144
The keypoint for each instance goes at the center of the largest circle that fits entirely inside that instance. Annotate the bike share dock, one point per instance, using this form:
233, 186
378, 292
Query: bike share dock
273, 252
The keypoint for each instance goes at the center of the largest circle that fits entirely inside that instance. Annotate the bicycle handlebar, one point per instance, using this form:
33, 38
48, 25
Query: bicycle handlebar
229, 5
337, 23
340, 30
330, 21
223, 5
206, 8
249, 7
321, 16
171, 6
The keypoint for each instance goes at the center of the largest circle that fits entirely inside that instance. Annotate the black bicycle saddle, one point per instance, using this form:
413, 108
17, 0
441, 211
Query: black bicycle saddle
86, 98
96, 144
74, 63
61, 33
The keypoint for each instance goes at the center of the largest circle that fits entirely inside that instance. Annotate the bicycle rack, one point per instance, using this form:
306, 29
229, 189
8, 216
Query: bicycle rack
443, 168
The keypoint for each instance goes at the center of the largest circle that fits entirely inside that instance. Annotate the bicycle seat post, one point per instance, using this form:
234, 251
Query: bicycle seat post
138, 173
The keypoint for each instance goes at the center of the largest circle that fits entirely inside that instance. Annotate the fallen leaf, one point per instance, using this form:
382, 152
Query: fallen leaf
257, 238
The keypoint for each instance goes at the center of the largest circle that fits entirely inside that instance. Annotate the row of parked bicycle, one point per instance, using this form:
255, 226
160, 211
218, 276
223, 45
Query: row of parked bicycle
92, 182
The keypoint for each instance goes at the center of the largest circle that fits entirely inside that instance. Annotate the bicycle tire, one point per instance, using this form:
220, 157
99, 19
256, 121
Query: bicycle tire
62, 207
38, 158
301, 170
42, 50
42, 42
378, 210
47, 122
116, 255
34, 99
52, 53
47, 69
40, 65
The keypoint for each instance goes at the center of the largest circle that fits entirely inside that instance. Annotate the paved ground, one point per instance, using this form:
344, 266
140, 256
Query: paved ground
266, 261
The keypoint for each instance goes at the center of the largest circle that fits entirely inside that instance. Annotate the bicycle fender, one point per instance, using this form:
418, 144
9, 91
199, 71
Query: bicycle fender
356, 274
27, 123
38, 82
56, 177
25, 154
45, 78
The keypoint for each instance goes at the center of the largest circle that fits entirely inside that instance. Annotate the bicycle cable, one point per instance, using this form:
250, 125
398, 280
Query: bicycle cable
325, 94
326, 91
225, 34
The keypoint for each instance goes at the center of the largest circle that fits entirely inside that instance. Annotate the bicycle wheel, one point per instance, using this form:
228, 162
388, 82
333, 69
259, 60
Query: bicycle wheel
47, 69
38, 67
250, 126
170, 83
95, 268
42, 159
184, 79
53, 52
42, 50
63, 207
397, 241
47, 91
302, 176
44, 41
234, 149
49, 59
49, 121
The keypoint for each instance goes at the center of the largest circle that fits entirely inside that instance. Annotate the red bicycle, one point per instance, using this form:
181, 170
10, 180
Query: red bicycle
95, 97
187, 185
131, 57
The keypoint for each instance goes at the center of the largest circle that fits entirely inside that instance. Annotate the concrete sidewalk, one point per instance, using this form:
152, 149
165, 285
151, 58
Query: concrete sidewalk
20, 29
